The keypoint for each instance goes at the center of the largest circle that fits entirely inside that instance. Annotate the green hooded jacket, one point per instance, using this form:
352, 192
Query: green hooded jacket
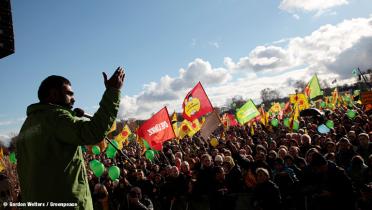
50, 161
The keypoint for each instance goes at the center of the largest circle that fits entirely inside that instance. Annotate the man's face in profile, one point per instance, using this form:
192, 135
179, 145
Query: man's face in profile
65, 97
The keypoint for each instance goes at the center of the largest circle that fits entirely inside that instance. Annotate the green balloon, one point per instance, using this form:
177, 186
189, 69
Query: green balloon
347, 98
323, 104
114, 172
110, 153
99, 169
111, 148
96, 150
282, 105
286, 122
330, 124
330, 106
351, 114
296, 125
93, 164
12, 158
274, 122
149, 154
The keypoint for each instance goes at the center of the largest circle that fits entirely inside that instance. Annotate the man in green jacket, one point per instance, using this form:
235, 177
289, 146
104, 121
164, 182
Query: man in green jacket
50, 163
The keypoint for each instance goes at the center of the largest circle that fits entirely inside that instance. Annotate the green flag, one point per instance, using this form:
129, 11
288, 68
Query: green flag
312, 89
247, 112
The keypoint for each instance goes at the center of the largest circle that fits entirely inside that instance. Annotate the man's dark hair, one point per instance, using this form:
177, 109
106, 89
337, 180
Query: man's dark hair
51, 82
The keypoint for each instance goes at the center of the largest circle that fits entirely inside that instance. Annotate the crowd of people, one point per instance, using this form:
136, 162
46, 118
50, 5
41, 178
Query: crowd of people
263, 167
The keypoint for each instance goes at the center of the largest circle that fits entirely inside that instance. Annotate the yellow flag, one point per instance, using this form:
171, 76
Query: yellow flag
174, 124
122, 137
189, 128
113, 127
300, 99
2, 167
275, 108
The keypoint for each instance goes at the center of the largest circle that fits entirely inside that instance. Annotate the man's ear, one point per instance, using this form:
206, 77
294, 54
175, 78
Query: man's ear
53, 95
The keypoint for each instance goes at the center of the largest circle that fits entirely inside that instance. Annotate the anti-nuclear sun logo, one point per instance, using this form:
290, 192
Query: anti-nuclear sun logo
192, 106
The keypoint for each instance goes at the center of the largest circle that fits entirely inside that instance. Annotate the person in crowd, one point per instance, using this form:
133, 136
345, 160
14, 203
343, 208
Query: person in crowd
135, 201
365, 146
50, 140
331, 187
266, 193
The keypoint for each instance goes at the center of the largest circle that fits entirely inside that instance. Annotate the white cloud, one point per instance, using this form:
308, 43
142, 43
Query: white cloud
214, 44
319, 6
5, 140
331, 51
12, 121
169, 91
295, 16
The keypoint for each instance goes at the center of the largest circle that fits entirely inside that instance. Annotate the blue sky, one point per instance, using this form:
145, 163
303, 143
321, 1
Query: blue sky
235, 47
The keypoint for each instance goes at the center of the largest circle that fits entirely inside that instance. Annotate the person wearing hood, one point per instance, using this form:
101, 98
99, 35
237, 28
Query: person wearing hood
50, 160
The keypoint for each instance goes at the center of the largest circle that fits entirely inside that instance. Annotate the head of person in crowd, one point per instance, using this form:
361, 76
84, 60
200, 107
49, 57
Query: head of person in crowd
135, 194
158, 179
206, 161
351, 135
261, 148
228, 163
289, 160
140, 175
318, 163
272, 155
343, 145
305, 140
185, 167
218, 160
357, 163
330, 147
282, 152
272, 145
262, 175
294, 151
178, 162
279, 164
260, 156
178, 155
309, 154
363, 140
214, 152
174, 172
331, 156
219, 174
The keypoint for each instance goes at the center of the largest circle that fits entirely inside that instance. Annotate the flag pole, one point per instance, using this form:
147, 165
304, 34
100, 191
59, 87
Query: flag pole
365, 80
121, 152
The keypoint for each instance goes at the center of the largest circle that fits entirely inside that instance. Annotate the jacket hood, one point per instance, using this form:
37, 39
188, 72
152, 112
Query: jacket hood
40, 107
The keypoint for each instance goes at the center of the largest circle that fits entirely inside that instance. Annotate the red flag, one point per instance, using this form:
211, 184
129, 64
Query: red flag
196, 104
231, 119
157, 129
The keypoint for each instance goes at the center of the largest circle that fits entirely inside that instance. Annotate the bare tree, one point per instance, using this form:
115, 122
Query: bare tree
299, 85
268, 94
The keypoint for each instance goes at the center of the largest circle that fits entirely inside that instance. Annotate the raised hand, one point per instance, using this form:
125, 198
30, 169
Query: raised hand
117, 79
